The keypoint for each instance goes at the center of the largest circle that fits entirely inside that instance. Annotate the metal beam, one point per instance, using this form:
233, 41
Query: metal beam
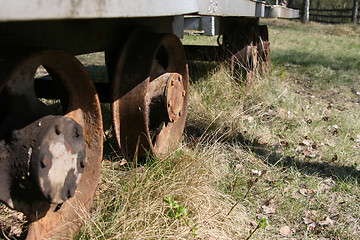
209, 25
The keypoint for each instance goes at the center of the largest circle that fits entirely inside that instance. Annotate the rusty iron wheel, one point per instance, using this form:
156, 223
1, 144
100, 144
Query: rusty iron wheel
244, 63
263, 46
150, 94
79, 102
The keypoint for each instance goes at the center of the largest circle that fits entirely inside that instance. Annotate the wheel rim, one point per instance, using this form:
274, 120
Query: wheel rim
80, 101
146, 64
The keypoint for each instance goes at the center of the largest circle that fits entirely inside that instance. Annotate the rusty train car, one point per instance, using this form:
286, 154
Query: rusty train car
50, 159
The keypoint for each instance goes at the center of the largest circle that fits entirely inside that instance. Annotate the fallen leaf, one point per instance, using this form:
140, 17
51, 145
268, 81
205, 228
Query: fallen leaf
333, 129
358, 138
308, 220
257, 172
298, 149
285, 231
306, 142
269, 210
269, 206
311, 213
304, 191
250, 119
123, 162
330, 143
269, 202
106, 162
310, 154
306, 152
326, 222
117, 165
329, 183
312, 226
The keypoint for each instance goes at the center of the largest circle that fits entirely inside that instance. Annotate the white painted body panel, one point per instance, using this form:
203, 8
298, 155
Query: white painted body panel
231, 8
277, 11
25, 10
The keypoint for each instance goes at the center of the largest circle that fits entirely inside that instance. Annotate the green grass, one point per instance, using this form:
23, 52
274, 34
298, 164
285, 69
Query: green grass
281, 152
298, 125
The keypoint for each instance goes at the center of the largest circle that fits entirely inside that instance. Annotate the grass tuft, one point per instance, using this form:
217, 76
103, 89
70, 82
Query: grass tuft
277, 158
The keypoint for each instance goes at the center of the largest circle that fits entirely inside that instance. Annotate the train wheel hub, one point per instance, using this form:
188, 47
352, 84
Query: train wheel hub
174, 95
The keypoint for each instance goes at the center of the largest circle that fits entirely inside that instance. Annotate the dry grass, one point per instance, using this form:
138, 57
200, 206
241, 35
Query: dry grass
293, 125
129, 203
284, 150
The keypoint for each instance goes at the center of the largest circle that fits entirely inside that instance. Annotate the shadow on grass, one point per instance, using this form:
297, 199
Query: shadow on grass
201, 69
308, 59
268, 153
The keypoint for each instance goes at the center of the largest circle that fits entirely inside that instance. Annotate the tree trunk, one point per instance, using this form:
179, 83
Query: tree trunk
305, 13
355, 12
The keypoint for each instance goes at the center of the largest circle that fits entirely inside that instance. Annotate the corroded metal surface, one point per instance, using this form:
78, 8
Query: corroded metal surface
46, 162
145, 101
63, 138
175, 96
244, 63
248, 45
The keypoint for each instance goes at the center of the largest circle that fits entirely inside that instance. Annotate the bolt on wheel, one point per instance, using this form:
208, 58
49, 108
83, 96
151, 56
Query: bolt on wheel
51, 162
151, 92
